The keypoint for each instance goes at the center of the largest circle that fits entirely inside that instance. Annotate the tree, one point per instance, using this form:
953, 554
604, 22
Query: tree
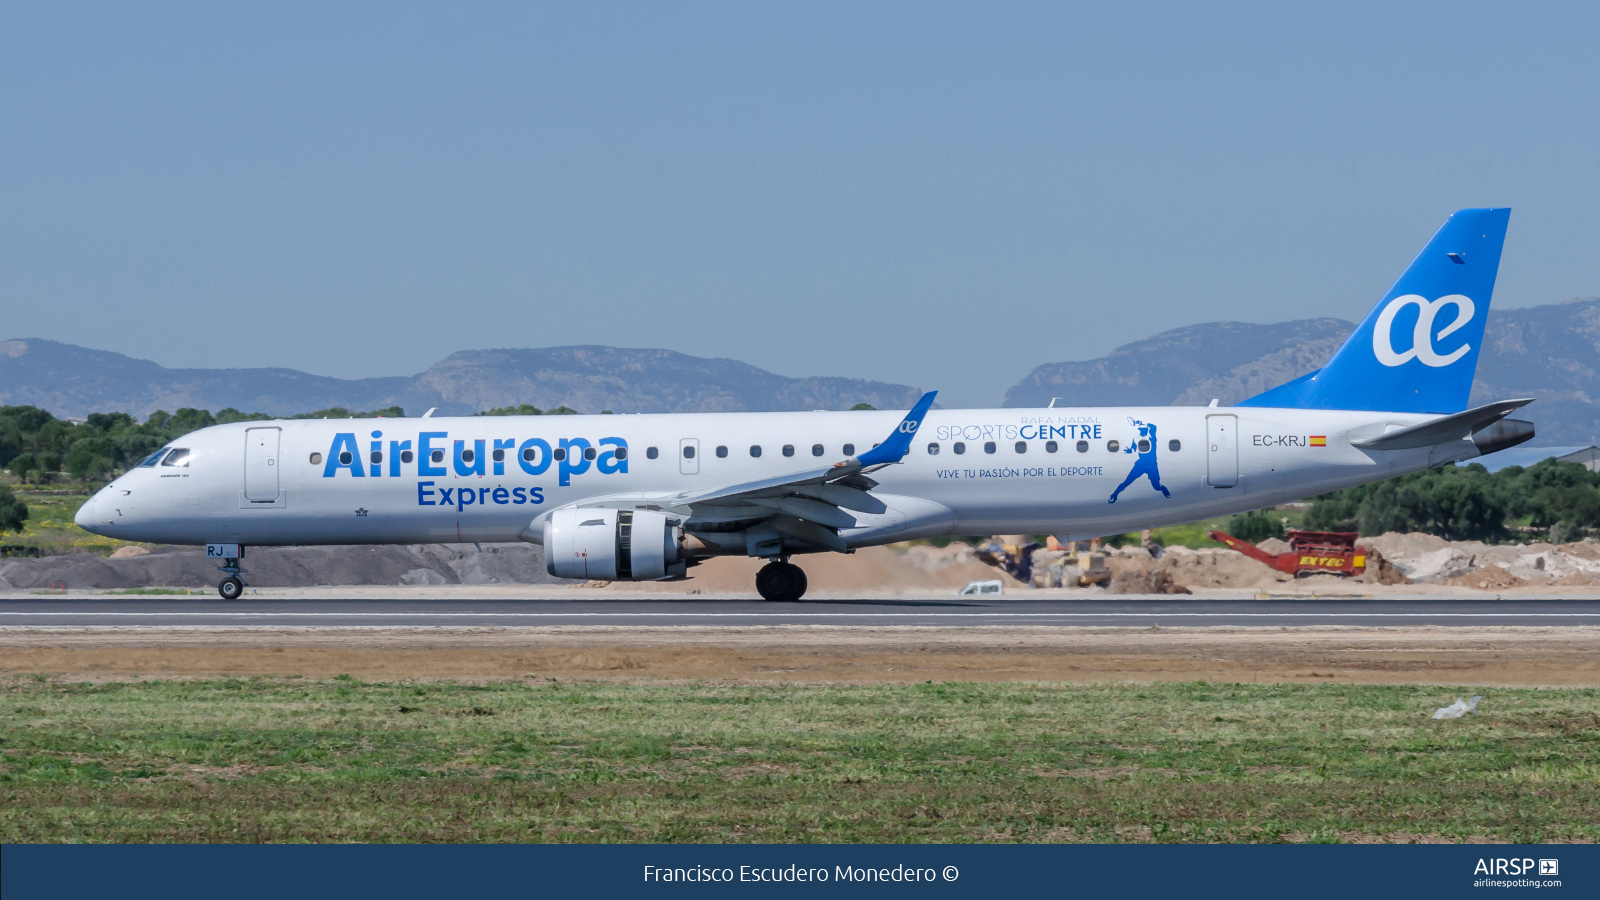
22, 464
863, 406
1466, 502
1256, 526
1465, 509
13, 512
229, 415
522, 409
189, 419
109, 422
26, 418
339, 412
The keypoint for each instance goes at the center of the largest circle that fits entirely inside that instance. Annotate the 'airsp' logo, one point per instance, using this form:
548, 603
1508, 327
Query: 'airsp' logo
1422, 335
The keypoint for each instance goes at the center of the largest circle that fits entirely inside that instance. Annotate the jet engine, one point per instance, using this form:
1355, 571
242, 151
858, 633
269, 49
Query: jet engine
1502, 434
613, 544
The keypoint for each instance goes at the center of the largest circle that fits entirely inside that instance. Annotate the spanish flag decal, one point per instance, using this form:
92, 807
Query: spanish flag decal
1319, 440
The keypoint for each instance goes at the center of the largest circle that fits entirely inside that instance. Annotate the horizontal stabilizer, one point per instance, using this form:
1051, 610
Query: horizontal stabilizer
1442, 430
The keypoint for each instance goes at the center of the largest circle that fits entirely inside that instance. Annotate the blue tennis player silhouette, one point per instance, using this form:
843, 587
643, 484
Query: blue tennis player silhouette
1145, 464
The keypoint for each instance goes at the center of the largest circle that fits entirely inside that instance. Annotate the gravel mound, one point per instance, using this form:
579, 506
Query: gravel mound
1425, 558
517, 563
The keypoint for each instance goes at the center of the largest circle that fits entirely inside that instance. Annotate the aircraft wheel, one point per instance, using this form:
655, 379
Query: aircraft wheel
781, 582
230, 588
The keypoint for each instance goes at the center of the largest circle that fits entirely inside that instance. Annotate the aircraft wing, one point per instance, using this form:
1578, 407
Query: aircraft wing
811, 505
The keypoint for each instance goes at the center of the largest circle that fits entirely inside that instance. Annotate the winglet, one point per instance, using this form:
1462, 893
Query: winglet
899, 442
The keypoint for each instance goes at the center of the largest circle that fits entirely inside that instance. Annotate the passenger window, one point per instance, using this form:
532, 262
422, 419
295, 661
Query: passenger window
529, 454
816, 449
437, 456
788, 449
590, 453
558, 454
405, 456
722, 452
933, 449
499, 456
1144, 446
467, 456
849, 449
1051, 446
180, 458
622, 453
651, 453
688, 451
377, 457
1022, 446
344, 458
1174, 446
958, 448
1083, 446
988, 446
1113, 446
755, 450
316, 460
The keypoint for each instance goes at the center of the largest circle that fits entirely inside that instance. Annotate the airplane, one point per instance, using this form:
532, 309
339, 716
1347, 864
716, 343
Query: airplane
647, 497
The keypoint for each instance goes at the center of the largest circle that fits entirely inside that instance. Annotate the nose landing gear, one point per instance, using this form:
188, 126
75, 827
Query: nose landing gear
231, 587
780, 581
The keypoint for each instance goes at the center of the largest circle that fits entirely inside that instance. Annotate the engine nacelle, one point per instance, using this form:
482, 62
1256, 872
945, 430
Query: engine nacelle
611, 544
1502, 434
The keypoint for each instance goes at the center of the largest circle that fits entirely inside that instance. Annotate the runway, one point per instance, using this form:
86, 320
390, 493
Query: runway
1160, 612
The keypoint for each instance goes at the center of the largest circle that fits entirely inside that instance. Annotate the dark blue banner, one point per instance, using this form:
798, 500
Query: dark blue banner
301, 872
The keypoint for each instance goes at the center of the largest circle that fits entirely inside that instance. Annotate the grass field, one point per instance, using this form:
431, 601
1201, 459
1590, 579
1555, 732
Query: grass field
341, 760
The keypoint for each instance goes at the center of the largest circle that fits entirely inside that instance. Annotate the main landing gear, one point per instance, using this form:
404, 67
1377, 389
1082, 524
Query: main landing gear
231, 587
781, 581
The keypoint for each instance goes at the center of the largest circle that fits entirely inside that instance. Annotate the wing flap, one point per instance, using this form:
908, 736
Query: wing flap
810, 510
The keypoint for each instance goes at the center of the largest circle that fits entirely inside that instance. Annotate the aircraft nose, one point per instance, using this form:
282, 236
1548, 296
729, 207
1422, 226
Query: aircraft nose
86, 516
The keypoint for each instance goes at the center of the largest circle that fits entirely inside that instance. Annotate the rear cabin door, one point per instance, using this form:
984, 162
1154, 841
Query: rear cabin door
689, 456
261, 465
1222, 451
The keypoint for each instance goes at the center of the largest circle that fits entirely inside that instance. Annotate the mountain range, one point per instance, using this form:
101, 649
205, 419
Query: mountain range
74, 381
1549, 352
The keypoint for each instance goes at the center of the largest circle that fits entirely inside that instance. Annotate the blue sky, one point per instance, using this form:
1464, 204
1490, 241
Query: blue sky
939, 195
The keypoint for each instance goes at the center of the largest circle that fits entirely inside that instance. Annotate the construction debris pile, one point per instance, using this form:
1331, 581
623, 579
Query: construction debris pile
1390, 559
1427, 559
1048, 565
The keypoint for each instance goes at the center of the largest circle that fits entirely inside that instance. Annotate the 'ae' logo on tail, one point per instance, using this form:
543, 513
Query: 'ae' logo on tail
1422, 336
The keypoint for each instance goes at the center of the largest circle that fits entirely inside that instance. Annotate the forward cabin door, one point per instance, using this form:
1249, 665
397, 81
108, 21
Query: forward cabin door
261, 465
689, 456
1222, 451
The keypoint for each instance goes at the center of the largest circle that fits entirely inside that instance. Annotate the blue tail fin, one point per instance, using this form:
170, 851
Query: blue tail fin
1418, 349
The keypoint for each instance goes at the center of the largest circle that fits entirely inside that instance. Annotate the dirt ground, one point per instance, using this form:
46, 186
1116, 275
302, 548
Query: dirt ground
1522, 657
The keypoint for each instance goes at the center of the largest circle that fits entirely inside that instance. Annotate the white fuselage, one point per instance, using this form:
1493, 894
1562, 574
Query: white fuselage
283, 482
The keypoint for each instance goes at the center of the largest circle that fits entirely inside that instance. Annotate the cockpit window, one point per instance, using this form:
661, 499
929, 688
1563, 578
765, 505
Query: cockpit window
154, 458
178, 457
